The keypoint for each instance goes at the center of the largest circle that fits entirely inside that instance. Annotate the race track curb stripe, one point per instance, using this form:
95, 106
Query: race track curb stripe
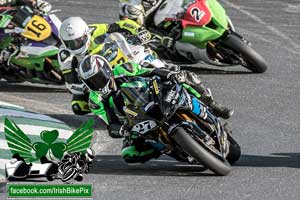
36, 122
32, 124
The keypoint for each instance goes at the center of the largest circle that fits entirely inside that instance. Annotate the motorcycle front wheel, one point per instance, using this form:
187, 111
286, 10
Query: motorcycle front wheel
201, 154
252, 60
234, 150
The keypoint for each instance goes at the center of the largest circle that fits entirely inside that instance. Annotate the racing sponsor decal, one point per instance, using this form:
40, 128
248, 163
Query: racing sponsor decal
189, 34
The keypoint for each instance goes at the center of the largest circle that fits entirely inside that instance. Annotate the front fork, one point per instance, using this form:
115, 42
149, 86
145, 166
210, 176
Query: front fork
225, 55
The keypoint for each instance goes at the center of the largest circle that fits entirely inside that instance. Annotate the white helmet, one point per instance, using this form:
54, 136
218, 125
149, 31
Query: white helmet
96, 74
74, 34
132, 9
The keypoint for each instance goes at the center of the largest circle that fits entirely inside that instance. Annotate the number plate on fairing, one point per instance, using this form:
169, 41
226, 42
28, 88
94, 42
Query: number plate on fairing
37, 29
144, 126
197, 14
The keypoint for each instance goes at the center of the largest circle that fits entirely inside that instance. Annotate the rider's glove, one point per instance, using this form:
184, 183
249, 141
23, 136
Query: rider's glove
167, 42
43, 6
77, 89
172, 67
15, 30
172, 75
164, 41
144, 35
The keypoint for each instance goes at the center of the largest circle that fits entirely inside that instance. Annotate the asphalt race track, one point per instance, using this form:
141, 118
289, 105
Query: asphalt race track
266, 120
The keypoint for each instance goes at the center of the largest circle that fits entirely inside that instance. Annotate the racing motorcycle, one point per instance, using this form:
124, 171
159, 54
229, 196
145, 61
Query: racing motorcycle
35, 59
206, 34
117, 49
164, 112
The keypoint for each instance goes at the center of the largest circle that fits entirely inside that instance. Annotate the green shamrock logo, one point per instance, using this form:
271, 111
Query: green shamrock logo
56, 149
20, 143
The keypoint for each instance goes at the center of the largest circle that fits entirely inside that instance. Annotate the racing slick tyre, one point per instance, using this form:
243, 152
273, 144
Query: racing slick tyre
234, 151
200, 153
252, 60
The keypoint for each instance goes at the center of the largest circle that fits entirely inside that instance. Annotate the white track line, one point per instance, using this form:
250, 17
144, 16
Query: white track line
5, 104
275, 43
43, 106
259, 20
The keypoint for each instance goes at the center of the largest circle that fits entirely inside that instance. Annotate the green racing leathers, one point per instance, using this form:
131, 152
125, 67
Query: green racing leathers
110, 108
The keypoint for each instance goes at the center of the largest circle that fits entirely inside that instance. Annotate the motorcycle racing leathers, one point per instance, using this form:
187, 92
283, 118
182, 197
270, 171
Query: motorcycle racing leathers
111, 107
69, 64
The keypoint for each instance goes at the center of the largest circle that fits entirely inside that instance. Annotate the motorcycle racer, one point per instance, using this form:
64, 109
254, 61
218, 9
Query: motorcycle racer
80, 40
40, 5
107, 100
142, 11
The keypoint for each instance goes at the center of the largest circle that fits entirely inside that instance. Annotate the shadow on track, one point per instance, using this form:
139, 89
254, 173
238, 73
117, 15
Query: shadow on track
291, 160
163, 166
74, 121
10, 87
214, 71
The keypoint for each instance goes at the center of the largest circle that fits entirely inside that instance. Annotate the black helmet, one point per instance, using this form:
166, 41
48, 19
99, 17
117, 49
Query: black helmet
96, 73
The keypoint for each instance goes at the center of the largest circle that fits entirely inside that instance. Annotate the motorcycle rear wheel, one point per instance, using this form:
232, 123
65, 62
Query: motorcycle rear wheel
203, 156
253, 61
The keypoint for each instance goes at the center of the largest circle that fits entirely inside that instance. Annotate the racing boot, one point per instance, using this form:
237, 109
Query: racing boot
206, 96
80, 104
218, 109
203, 93
136, 150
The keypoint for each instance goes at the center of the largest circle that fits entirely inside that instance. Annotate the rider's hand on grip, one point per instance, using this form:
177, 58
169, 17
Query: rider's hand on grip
167, 42
144, 35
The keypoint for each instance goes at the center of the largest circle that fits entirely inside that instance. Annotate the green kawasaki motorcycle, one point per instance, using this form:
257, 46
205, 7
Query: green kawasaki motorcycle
35, 60
206, 34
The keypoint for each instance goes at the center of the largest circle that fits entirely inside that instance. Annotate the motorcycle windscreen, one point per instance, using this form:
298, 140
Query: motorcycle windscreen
169, 97
37, 29
134, 53
136, 91
112, 52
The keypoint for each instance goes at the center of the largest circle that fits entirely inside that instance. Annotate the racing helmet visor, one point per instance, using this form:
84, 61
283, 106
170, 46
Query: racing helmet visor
101, 79
78, 43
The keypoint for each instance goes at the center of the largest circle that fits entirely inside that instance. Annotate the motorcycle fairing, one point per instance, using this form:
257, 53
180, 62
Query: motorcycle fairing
33, 57
38, 51
200, 35
197, 14
55, 24
37, 29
